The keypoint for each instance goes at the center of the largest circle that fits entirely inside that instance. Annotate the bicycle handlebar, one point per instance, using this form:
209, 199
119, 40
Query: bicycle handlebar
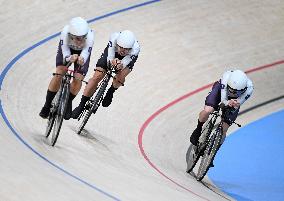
70, 76
111, 70
223, 107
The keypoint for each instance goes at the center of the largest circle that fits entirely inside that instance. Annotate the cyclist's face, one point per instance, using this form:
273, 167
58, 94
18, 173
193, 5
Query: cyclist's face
123, 51
234, 92
77, 40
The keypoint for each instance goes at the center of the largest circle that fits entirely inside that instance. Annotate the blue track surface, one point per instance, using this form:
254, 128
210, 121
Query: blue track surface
250, 164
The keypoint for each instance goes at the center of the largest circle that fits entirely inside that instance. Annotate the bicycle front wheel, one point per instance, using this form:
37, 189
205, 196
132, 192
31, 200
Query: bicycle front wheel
192, 156
94, 104
60, 113
50, 123
53, 112
86, 115
209, 153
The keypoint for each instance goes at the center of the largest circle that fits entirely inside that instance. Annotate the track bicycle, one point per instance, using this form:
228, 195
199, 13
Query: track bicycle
210, 141
59, 105
93, 104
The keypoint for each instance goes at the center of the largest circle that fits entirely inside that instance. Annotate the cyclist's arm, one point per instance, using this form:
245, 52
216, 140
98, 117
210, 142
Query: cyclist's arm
111, 46
64, 43
88, 47
132, 55
247, 94
224, 92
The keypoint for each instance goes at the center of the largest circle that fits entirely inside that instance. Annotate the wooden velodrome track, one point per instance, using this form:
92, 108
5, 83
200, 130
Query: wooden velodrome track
135, 149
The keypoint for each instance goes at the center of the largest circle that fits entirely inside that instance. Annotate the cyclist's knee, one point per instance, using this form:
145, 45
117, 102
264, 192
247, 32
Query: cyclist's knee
55, 82
98, 75
61, 69
204, 114
79, 78
208, 109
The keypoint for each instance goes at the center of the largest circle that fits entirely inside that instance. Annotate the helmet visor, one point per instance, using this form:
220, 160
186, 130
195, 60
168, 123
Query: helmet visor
77, 38
235, 91
125, 49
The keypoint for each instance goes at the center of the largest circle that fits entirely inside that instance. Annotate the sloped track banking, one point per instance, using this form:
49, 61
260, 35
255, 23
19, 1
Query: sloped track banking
141, 132
154, 115
26, 51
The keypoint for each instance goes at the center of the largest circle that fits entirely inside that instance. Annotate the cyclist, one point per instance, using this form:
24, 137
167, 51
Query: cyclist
75, 45
122, 52
233, 89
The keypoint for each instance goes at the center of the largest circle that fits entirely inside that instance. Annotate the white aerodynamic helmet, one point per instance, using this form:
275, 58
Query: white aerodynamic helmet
78, 26
126, 39
237, 83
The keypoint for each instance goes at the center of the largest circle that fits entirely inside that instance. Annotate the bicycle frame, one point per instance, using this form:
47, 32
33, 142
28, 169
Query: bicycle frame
209, 143
194, 155
213, 142
93, 104
59, 105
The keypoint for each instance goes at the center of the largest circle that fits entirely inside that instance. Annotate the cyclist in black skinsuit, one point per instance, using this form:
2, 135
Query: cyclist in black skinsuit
122, 52
76, 42
233, 89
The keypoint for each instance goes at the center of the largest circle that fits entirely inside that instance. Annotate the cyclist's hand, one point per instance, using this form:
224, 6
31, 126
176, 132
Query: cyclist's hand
116, 63
237, 104
80, 61
119, 67
233, 103
222, 105
73, 58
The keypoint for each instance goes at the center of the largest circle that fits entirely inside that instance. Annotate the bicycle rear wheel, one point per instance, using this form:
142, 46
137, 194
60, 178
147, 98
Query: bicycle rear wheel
191, 156
61, 110
209, 153
94, 105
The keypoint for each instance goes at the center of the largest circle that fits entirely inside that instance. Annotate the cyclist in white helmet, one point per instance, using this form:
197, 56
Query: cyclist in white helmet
75, 45
122, 52
233, 89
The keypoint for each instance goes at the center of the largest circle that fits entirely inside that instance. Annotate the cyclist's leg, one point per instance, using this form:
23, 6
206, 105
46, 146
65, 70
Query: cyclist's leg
54, 83
203, 116
211, 103
74, 89
100, 70
120, 78
117, 82
89, 90
93, 82
227, 122
230, 117
76, 84
53, 87
80, 73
